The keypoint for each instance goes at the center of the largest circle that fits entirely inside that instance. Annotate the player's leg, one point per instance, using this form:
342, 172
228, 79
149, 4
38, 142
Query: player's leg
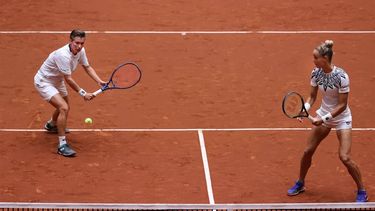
316, 136
55, 115
62, 109
51, 125
345, 140
62, 105
56, 94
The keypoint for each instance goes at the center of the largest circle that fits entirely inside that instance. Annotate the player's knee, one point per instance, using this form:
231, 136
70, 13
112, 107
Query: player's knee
308, 152
345, 158
64, 108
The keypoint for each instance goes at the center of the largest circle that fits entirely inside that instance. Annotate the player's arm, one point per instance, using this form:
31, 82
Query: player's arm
312, 95
310, 101
342, 104
92, 73
343, 97
73, 84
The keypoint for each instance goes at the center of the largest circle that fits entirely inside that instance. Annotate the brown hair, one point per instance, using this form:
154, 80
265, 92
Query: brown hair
325, 49
77, 33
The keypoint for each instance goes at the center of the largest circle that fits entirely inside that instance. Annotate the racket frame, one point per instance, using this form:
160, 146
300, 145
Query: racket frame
303, 113
107, 85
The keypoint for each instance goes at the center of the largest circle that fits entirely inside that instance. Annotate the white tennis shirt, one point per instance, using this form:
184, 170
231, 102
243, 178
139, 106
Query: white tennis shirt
62, 62
330, 85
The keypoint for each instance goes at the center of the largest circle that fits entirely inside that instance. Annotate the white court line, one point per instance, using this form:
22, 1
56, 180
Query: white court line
170, 129
200, 32
206, 167
258, 206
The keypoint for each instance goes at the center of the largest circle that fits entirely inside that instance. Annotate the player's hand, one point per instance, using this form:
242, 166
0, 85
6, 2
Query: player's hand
89, 96
317, 121
102, 83
300, 119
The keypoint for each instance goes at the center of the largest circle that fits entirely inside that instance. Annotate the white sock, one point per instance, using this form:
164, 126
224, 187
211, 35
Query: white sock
62, 140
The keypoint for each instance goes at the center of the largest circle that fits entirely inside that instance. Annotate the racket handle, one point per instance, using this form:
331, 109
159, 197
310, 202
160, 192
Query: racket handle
97, 92
310, 118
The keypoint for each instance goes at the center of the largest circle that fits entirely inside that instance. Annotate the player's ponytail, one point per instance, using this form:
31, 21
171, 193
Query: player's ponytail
325, 49
328, 43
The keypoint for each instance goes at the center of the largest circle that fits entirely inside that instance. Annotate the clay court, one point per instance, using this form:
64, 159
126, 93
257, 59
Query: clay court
220, 85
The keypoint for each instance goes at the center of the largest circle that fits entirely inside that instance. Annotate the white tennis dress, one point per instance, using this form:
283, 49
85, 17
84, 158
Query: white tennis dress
331, 85
49, 80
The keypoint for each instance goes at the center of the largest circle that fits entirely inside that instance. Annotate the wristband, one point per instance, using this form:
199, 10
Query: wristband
327, 117
307, 106
82, 92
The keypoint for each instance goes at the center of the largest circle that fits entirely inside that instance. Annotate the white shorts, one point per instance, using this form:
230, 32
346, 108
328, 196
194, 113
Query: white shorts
47, 88
340, 122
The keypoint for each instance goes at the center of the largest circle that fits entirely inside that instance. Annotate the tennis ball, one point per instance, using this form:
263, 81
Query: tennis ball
88, 121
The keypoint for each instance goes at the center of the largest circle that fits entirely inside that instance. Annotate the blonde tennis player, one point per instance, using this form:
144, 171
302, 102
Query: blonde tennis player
50, 83
334, 112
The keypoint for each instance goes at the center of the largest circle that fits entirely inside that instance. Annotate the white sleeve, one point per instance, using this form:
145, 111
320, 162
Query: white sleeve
344, 88
63, 64
83, 59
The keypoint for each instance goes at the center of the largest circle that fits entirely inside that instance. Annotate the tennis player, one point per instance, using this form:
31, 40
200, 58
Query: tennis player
50, 83
334, 112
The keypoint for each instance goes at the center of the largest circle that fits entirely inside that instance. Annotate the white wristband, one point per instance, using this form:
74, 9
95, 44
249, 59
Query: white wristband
82, 92
327, 117
307, 106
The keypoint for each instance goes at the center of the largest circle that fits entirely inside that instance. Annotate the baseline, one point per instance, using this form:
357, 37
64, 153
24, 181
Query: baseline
196, 32
273, 206
170, 129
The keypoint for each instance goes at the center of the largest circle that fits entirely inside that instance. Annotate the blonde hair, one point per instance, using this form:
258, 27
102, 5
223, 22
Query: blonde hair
325, 49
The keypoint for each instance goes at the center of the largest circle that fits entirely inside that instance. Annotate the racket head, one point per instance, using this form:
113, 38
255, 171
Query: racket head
125, 76
293, 105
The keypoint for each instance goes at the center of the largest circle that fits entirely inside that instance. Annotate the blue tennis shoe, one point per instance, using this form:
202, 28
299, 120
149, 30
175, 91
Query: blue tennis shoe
66, 151
298, 188
362, 196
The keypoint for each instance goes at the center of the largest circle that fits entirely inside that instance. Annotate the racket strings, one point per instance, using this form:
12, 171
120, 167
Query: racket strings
126, 76
293, 105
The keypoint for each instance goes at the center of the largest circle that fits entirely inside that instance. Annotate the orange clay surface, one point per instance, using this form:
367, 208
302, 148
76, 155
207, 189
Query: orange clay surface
192, 81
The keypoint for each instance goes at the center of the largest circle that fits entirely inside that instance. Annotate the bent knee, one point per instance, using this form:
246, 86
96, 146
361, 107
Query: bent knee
309, 152
64, 108
345, 158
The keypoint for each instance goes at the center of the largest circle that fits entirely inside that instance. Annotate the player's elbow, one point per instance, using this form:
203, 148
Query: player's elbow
69, 80
87, 68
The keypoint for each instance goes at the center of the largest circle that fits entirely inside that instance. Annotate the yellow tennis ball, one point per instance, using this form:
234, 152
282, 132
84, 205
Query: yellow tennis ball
88, 121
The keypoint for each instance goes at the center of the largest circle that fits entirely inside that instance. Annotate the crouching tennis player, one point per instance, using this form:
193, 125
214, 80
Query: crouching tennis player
50, 83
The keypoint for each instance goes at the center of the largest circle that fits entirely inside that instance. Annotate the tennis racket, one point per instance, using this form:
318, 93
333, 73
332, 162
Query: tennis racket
294, 106
125, 76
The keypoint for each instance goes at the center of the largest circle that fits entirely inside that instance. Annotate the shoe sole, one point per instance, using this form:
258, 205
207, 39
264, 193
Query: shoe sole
66, 155
298, 192
363, 201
